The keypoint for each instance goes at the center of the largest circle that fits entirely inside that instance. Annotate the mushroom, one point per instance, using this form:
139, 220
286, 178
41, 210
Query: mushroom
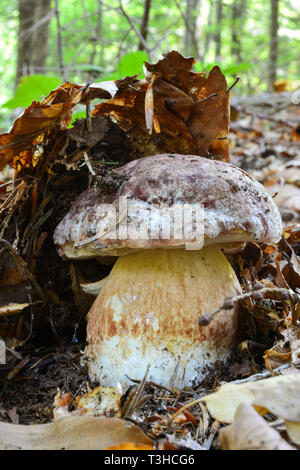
146, 315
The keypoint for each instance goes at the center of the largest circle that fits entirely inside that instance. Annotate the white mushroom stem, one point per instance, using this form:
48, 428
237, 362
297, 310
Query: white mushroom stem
147, 313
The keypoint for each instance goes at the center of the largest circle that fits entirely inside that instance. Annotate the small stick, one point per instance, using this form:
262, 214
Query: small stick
88, 116
199, 400
133, 400
17, 368
174, 375
228, 304
234, 83
260, 375
207, 98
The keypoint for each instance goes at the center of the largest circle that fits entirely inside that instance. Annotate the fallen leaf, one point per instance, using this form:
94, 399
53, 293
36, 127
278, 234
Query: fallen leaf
279, 394
188, 111
250, 431
72, 433
36, 122
13, 415
12, 309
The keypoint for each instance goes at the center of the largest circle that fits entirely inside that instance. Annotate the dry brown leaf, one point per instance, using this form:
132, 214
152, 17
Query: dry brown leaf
210, 118
279, 394
277, 356
175, 102
37, 121
250, 431
12, 309
72, 433
13, 415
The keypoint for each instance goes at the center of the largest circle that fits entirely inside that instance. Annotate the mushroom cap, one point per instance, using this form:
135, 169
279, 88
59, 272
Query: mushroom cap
236, 208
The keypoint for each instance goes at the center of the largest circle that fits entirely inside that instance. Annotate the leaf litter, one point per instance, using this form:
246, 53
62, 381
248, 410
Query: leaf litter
43, 305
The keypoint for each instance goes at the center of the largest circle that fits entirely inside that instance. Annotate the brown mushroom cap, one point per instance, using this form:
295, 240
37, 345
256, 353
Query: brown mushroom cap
236, 207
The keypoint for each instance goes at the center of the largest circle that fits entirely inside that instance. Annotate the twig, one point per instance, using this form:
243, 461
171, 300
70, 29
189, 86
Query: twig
87, 18
207, 98
12, 351
88, 115
17, 368
59, 41
234, 83
139, 35
154, 384
174, 375
261, 375
26, 32
285, 294
135, 397
5, 184
199, 400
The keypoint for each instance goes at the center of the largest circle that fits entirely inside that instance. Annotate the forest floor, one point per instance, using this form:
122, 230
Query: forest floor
46, 372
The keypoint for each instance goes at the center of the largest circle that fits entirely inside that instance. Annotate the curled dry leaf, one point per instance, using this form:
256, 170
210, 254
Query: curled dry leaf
280, 395
72, 433
12, 309
35, 124
187, 110
250, 431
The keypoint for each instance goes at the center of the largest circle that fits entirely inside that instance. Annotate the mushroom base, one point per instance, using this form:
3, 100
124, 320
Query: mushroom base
147, 314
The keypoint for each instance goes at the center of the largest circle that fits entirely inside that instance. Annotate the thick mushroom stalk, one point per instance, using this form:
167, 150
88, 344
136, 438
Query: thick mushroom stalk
147, 314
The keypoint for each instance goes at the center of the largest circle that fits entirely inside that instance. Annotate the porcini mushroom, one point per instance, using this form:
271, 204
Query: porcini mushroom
147, 312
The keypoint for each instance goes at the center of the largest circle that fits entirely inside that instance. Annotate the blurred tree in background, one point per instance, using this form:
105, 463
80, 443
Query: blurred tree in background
49, 41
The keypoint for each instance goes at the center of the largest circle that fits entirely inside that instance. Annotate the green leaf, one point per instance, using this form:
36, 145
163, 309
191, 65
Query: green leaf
110, 76
77, 115
32, 88
233, 69
131, 63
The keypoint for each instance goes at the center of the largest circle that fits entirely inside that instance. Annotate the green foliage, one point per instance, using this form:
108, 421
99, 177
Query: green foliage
130, 64
228, 70
78, 115
32, 88
99, 43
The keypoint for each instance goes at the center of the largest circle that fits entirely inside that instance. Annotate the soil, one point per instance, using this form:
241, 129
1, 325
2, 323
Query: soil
32, 390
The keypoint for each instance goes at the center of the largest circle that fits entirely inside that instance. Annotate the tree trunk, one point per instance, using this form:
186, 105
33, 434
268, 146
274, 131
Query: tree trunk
98, 32
190, 39
219, 16
238, 14
34, 18
145, 21
273, 56
208, 35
